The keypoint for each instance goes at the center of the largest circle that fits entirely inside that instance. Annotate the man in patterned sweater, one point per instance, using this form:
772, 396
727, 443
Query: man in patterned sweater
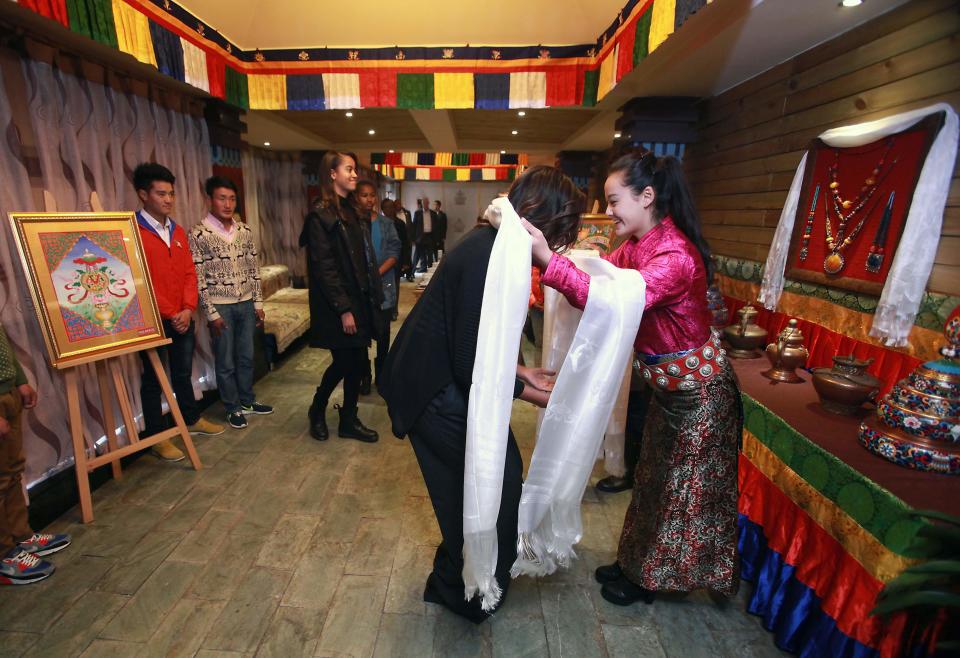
228, 279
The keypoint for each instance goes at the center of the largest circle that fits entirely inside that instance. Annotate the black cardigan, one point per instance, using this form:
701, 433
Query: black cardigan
437, 343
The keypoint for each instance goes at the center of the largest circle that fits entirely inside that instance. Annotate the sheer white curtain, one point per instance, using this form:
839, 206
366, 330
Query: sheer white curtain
89, 137
280, 199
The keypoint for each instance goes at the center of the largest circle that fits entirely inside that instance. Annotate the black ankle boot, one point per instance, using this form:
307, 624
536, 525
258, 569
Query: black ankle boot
365, 385
624, 592
351, 428
318, 418
608, 573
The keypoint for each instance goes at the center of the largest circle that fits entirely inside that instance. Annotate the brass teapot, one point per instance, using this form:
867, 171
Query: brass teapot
786, 355
745, 337
844, 388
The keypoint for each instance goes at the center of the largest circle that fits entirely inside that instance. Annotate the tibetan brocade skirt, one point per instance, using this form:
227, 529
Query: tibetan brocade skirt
680, 530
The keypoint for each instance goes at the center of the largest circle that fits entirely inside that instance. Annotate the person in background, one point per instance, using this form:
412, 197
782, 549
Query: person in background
441, 229
20, 547
345, 294
425, 224
386, 248
228, 274
404, 218
389, 208
174, 280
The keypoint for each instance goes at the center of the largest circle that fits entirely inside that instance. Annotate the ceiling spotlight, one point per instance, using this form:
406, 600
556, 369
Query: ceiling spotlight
616, 135
266, 143
349, 114
513, 132
521, 113
371, 132
850, 3
503, 152
391, 150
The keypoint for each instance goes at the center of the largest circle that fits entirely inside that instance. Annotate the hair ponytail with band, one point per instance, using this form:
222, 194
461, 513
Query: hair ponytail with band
673, 198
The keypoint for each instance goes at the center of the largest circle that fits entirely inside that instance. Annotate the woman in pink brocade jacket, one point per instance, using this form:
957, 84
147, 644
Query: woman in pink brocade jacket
680, 530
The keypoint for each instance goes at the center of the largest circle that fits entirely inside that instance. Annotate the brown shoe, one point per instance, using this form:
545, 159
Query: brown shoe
166, 451
206, 427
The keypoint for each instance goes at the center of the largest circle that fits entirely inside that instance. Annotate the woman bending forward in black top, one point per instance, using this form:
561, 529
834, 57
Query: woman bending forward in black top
428, 375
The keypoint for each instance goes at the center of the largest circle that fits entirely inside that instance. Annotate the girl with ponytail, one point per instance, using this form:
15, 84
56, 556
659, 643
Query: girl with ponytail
680, 529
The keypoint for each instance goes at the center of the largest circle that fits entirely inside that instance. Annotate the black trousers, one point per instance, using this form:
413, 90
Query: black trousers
179, 355
348, 365
383, 342
637, 406
439, 440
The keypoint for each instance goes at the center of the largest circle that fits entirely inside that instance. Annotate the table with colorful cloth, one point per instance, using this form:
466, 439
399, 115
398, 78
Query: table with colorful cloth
823, 522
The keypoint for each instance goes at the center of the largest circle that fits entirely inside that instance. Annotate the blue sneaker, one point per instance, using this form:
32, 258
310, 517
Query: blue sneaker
41, 544
21, 568
257, 408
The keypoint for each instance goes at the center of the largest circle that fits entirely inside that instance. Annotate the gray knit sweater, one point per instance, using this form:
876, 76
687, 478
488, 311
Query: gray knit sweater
227, 272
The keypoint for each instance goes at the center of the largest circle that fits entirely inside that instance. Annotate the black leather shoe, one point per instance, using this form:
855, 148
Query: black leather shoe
608, 573
613, 484
318, 421
351, 428
623, 592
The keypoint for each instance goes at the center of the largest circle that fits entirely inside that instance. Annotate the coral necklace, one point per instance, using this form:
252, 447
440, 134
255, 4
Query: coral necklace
847, 209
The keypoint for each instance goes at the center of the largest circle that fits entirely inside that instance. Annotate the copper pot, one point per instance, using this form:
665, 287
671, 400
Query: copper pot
745, 337
846, 386
786, 355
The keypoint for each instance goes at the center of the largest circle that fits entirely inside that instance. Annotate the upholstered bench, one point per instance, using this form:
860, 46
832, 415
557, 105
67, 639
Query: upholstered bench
287, 310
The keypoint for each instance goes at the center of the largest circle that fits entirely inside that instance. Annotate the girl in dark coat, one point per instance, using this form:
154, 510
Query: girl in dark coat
344, 291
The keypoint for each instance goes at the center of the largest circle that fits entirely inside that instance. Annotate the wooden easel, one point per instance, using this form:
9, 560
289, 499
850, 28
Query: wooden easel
119, 389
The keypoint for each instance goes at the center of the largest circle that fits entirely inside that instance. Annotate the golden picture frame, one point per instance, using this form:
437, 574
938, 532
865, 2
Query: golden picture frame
89, 282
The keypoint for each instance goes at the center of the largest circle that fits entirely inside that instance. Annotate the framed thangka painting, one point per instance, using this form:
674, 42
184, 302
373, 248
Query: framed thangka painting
89, 282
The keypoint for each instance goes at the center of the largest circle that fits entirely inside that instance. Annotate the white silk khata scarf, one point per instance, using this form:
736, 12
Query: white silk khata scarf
576, 416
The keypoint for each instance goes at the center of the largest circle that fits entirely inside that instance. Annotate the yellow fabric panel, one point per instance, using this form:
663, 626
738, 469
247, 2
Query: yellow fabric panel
133, 33
409, 159
923, 344
423, 173
444, 159
463, 174
195, 65
267, 92
489, 173
528, 89
608, 72
879, 561
453, 90
661, 22
398, 172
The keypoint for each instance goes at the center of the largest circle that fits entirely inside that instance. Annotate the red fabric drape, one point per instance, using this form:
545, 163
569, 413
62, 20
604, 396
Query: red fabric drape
562, 87
216, 74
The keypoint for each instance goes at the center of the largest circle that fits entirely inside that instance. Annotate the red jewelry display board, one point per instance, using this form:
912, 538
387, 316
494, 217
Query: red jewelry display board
853, 206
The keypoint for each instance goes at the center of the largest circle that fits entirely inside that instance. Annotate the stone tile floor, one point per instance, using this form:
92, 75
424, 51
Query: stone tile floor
285, 546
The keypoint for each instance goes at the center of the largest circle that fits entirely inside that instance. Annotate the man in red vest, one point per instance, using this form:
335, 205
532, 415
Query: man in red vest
175, 287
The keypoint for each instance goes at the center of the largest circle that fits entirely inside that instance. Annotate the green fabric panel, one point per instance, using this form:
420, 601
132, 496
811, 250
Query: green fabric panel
641, 43
877, 510
415, 91
237, 88
932, 314
460, 159
94, 19
591, 82
511, 174
450, 175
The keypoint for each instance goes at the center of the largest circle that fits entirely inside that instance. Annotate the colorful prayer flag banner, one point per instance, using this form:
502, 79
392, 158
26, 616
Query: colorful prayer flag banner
169, 37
